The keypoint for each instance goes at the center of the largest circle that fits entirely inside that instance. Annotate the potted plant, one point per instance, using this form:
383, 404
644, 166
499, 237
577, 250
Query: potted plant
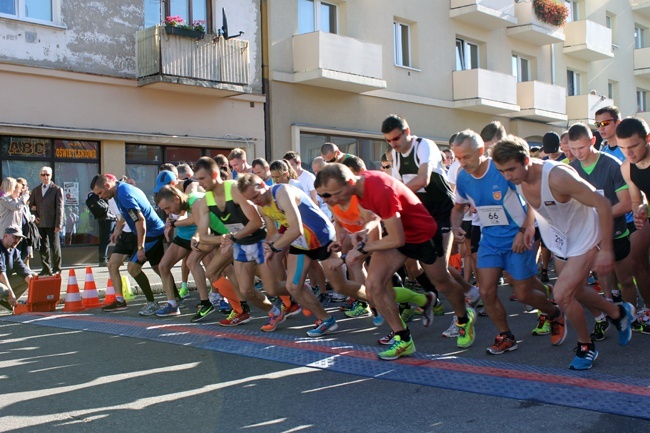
551, 12
174, 25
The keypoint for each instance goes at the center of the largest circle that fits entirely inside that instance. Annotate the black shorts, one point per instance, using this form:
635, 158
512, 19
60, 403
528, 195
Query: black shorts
426, 252
154, 250
631, 227
476, 238
622, 248
184, 243
467, 228
319, 254
538, 236
126, 244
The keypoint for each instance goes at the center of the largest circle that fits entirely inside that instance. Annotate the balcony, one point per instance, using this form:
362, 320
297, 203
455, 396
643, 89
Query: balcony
541, 101
485, 91
642, 62
178, 63
582, 108
642, 7
486, 14
587, 40
530, 29
337, 62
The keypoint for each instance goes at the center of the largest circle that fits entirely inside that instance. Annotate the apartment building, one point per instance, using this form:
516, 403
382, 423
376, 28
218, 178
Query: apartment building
338, 67
102, 86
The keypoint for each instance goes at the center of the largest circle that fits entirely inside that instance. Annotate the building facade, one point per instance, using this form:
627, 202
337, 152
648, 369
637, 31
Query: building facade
338, 68
103, 86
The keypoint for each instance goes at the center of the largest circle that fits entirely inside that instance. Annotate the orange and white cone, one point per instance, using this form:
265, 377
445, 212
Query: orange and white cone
91, 298
110, 293
73, 300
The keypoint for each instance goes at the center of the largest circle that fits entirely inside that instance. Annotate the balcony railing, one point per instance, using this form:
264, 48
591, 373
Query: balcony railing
531, 29
486, 14
485, 91
587, 40
210, 63
582, 108
641, 7
642, 62
541, 101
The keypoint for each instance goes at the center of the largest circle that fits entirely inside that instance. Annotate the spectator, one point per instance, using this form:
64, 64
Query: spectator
11, 204
12, 286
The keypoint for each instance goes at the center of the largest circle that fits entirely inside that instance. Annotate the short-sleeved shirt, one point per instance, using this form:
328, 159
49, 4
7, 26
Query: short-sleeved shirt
130, 200
605, 175
387, 196
616, 152
496, 200
11, 262
307, 180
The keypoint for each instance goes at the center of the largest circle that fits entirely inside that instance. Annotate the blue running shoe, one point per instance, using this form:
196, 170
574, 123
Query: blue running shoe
323, 327
585, 357
624, 323
224, 306
168, 310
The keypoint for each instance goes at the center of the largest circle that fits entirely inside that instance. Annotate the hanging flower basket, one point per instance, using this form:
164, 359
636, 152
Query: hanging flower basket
551, 12
183, 32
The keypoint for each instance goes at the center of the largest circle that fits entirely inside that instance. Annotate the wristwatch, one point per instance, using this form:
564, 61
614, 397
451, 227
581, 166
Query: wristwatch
172, 223
275, 250
522, 229
360, 246
232, 237
140, 248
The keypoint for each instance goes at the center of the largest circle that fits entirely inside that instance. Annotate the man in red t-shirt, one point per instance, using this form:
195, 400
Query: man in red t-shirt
411, 232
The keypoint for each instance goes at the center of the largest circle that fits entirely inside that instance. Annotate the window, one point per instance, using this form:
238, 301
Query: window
639, 41
611, 90
316, 15
402, 33
610, 23
641, 100
573, 10
30, 10
572, 83
368, 149
520, 68
466, 55
155, 11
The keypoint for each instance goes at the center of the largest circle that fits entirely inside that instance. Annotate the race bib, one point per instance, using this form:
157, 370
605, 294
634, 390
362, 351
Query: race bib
234, 228
559, 242
406, 178
492, 216
300, 243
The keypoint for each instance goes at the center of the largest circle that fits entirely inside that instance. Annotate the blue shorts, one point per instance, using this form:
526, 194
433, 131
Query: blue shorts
520, 266
249, 253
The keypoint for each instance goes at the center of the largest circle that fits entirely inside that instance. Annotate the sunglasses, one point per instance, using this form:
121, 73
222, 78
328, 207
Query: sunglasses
330, 161
603, 123
386, 166
46, 174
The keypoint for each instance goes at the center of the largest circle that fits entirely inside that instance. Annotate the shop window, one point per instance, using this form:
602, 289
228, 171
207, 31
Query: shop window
368, 149
182, 154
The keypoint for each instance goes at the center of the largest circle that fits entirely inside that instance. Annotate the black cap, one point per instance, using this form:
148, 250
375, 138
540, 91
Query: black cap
551, 142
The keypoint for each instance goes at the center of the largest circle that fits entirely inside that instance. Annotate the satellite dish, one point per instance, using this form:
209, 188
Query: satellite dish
223, 32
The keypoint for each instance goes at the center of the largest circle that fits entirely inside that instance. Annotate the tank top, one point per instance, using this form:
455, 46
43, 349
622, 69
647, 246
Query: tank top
349, 219
568, 229
187, 232
232, 218
641, 178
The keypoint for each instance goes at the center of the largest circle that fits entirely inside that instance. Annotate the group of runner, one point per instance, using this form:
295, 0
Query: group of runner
358, 229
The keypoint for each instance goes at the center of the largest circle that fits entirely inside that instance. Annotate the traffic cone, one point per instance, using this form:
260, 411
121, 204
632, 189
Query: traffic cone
110, 293
73, 300
90, 298
127, 292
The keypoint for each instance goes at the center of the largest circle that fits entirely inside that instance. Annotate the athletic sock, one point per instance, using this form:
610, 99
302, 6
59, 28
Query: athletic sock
426, 283
275, 310
206, 302
404, 335
145, 286
508, 334
245, 307
183, 284
600, 317
462, 320
172, 303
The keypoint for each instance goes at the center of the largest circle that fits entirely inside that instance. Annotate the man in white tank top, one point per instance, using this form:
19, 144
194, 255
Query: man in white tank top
572, 229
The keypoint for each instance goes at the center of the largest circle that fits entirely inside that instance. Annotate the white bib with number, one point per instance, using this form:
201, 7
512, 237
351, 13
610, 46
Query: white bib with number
234, 228
559, 242
406, 178
492, 216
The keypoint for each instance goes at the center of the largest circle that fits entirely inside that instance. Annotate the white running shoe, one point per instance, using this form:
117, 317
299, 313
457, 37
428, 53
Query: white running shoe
149, 309
472, 297
452, 331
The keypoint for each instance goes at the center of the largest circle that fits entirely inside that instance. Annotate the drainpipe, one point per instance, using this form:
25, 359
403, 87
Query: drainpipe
266, 88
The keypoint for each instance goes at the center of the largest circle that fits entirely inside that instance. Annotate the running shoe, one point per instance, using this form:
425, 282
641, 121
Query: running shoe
472, 297
377, 319
592, 281
599, 330
466, 331
407, 314
224, 306
183, 292
543, 325
452, 331
149, 309
502, 344
168, 310
558, 330
235, 319
338, 297
323, 327
616, 296
115, 306
586, 354
215, 298
388, 339
427, 315
348, 305
398, 349
438, 309
293, 310
624, 323
359, 310
274, 321
202, 312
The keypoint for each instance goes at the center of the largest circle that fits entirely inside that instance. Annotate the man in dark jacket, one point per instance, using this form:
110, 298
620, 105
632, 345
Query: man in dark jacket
12, 286
105, 221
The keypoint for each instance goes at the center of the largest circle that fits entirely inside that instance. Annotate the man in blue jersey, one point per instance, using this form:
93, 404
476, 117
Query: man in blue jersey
607, 119
504, 220
146, 227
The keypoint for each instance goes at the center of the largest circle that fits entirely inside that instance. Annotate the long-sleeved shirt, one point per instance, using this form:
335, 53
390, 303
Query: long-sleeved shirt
10, 262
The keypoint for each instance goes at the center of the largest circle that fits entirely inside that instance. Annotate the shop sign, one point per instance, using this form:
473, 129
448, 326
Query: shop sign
71, 193
74, 149
26, 147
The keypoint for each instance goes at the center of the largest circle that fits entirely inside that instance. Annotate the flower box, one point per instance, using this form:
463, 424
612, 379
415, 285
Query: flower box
183, 32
